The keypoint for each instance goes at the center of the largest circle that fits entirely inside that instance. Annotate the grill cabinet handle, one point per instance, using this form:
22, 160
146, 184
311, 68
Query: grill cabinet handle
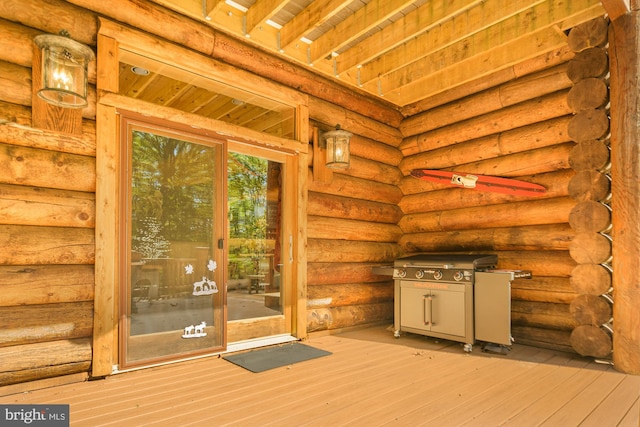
428, 318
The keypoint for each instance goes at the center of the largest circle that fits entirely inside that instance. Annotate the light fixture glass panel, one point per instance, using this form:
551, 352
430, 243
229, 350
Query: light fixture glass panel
337, 148
64, 71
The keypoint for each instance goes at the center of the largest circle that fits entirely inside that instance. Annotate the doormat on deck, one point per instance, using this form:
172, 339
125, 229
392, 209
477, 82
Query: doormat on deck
275, 357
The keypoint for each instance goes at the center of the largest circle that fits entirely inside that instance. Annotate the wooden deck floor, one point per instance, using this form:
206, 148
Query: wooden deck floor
371, 379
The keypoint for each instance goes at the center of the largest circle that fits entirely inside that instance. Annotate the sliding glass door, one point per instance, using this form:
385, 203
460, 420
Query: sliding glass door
172, 296
206, 237
258, 275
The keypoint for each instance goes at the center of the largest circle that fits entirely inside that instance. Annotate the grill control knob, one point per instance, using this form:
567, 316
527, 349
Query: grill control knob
437, 274
419, 274
400, 272
457, 276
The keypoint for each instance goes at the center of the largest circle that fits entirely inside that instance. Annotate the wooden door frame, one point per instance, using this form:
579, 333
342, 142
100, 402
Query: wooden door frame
114, 41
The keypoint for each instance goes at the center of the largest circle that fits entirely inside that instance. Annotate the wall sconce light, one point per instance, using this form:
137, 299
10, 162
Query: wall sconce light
337, 146
64, 70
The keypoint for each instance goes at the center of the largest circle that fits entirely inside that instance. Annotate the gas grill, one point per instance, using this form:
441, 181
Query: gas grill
441, 295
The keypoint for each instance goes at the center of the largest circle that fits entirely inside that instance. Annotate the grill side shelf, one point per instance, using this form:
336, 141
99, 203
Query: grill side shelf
515, 274
383, 270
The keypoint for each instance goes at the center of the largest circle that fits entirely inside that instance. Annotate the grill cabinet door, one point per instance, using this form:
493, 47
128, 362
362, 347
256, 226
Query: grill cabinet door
433, 310
413, 305
448, 312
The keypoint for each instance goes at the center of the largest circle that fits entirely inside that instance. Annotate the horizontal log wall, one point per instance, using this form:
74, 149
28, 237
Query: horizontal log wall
522, 130
47, 192
360, 217
352, 226
47, 238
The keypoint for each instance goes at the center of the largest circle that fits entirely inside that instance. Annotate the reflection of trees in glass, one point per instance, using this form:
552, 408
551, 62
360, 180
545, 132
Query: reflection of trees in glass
247, 196
172, 183
149, 241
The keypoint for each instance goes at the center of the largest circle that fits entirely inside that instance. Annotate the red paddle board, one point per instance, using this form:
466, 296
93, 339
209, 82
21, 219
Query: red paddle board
481, 182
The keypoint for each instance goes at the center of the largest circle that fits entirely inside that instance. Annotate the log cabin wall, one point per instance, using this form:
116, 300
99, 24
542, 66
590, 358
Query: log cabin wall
366, 215
47, 243
352, 225
47, 205
548, 125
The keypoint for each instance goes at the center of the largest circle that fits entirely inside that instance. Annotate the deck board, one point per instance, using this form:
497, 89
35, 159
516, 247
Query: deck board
370, 379
497, 405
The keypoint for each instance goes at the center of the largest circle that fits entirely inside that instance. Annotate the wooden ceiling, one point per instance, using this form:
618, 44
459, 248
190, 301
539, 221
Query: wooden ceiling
153, 82
401, 51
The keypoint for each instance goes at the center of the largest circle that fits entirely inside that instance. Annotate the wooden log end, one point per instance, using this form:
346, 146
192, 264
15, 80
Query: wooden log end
591, 62
589, 185
592, 341
587, 94
590, 155
590, 248
590, 216
591, 310
590, 279
588, 125
589, 34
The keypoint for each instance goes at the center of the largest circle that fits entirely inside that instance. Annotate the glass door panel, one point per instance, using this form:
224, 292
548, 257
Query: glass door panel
173, 295
256, 294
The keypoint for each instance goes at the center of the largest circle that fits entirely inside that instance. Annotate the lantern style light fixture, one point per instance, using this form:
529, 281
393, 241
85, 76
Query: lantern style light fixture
337, 145
64, 70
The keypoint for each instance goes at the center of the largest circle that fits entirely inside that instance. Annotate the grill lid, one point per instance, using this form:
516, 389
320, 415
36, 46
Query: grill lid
446, 261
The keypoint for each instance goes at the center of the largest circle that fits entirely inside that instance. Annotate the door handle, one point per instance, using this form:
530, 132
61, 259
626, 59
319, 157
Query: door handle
428, 314
290, 249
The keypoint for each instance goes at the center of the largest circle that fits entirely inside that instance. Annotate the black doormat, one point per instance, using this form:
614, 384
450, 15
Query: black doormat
275, 357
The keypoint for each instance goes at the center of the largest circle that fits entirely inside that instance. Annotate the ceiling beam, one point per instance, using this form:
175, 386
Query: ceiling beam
451, 29
359, 23
403, 30
212, 7
547, 14
484, 60
261, 12
314, 15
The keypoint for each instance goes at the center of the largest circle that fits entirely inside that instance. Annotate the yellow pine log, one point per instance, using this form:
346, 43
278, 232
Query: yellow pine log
357, 188
30, 362
328, 273
24, 245
41, 323
48, 169
329, 205
320, 319
531, 137
351, 230
326, 250
526, 88
46, 207
519, 115
535, 237
536, 212
47, 284
346, 294
542, 315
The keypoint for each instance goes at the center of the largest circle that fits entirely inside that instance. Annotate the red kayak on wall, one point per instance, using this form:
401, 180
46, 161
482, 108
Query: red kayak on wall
494, 184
